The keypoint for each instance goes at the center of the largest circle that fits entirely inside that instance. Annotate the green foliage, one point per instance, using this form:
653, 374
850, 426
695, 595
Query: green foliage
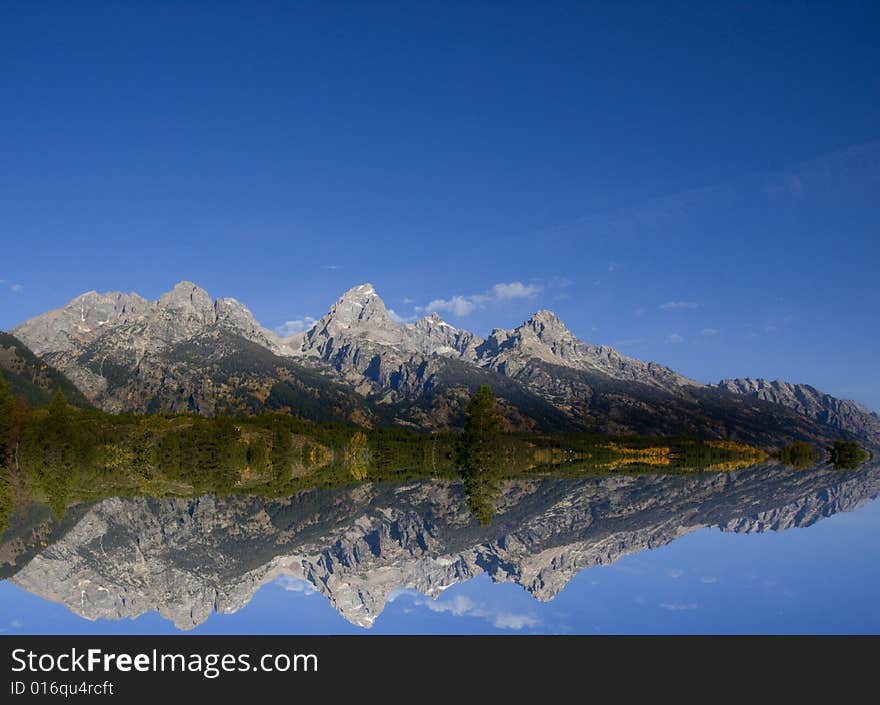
483, 420
303, 401
69, 455
7, 407
483, 490
257, 455
482, 453
480, 446
56, 449
282, 453
847, 455
799, 455
7, 501
207, 454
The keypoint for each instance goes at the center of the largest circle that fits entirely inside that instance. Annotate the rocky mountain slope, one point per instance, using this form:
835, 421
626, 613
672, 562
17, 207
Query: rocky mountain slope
184, 352
188, 559
189, 352
809, 401
31, 376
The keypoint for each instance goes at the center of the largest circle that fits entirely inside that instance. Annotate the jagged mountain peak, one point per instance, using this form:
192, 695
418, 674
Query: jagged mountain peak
432, 335
431, 320
360, 293
81, 320
132, 333
358, 305
546, 338
809, 401
123, 351
359, 312
548, 327
232, 313
420, 537
545, 315
188, 298
185, 285
93, 298
543, 336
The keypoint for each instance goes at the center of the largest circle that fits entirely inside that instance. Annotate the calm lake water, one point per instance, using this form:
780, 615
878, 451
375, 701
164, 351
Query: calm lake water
763, 550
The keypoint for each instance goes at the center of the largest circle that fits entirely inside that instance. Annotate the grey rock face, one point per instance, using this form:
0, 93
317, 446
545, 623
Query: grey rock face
126, 353
187, 559
359, 313
113, 345
358, 340
545, 337
809, 401
432, 335
393, 363
82, 320
188, 302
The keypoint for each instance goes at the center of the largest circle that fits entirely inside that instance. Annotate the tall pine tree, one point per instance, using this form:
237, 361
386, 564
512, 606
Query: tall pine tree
481, 454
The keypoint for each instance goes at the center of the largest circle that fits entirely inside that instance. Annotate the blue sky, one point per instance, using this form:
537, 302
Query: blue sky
695, 183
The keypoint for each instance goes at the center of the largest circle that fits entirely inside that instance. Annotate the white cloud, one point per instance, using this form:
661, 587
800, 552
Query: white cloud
460, 605
397, 318
408, 300
674, 573
330, 266
296, 585
509, 620
674, 338
460, 305
710, 331
298, 325
709, 579
17, 288
464, 606
679, 305
515, 290
641, 311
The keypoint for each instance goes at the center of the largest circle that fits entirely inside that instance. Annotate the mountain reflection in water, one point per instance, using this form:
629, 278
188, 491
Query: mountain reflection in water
189, 558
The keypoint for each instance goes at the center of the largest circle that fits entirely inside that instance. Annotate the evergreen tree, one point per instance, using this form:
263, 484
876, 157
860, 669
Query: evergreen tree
21, 418
257, 455
7, 502
799, 455
847, 455
482, 419
480, 443
58, 406
54, 449
481, 454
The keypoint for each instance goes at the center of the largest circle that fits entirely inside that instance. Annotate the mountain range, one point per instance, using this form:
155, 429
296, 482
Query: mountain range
356, 546
187, 352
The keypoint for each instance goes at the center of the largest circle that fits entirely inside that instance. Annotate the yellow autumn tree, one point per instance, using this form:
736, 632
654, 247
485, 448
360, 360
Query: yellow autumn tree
356, 455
